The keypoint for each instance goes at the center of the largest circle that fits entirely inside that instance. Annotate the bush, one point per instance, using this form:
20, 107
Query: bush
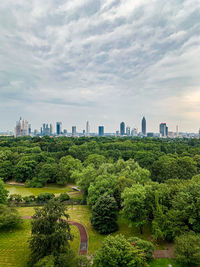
15, 198
64, 197
144, 245
29, 199
187, 249
43, 197
9, 217
117, 251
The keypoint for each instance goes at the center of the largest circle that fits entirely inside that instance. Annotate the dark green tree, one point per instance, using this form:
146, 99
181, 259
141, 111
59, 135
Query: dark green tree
50, 233
187, 249
104, 215
117, 251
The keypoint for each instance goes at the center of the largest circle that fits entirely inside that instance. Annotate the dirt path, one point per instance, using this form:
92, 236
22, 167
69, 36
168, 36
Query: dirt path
83, 249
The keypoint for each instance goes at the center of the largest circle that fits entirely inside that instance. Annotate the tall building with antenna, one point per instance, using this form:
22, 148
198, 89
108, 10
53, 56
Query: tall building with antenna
144, 126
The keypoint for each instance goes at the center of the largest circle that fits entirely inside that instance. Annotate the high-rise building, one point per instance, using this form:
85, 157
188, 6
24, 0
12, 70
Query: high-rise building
29, 129
122, 128
21, 128
51, 129
134, 132
74, 130
144, 126
163, 130
101, 130
58, 128
128, 130
87, 132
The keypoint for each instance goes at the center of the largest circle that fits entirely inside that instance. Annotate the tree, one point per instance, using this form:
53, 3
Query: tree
102, 184
50, 231
9, 217
134, 207
117, 251
185, 211
104, 215
187, 249
144, 245
3, 193
95, 159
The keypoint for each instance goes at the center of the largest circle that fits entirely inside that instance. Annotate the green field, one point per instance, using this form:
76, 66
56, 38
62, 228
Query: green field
24, 191
14, 249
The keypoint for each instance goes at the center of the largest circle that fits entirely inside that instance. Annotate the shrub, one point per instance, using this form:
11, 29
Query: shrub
144, 245
9, 217
43, 197
64, 197
15, 198
29, 199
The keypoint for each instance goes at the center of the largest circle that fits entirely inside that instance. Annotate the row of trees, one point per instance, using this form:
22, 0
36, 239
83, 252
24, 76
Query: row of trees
38, 161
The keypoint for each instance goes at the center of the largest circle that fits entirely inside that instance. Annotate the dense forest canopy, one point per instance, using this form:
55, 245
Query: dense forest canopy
37, 161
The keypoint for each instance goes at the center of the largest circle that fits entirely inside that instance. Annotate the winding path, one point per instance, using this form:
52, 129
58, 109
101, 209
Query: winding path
83, 249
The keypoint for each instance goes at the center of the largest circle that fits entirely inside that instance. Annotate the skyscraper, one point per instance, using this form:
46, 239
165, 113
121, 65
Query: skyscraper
144, 128
87, 132
101, 130
74, 130
128, 130
21, 128
122, 128
58, 128
163, 130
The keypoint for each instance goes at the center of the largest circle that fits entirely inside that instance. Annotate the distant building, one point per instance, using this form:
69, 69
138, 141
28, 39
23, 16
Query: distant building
150, 134
117, 133
29, 129
122, 128
73, 130
65, 131
21, 128
144, 127
87, 131
58, 128
128, 130
51, 129
163, 130
101, 130
134, 132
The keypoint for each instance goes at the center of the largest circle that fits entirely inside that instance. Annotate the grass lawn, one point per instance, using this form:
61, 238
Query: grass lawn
164, 263
24, 191
14, 249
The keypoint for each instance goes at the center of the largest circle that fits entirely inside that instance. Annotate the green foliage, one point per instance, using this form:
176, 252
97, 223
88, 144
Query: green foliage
9, 218
104, 215
134, 207
28, 199
15, 198
143, 245
3, 193
64, 197
43, 197
173, 167
50, 231
187, 249
102, 184
95, 159
117, 251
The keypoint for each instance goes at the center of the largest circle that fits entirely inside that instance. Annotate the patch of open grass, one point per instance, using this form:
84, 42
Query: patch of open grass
14, 250
164, 263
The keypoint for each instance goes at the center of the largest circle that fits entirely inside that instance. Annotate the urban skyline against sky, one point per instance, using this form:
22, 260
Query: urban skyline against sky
103, 61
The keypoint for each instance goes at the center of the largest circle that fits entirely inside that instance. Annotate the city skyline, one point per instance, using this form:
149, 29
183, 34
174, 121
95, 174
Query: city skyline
135, 58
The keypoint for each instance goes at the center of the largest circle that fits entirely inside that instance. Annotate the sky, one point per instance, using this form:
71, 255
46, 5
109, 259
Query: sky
104, 61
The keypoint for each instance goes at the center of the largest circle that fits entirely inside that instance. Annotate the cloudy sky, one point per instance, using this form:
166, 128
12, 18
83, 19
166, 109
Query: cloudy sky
104, 61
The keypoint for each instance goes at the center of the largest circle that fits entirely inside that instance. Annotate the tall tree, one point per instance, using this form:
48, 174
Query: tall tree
50, 231
104, 215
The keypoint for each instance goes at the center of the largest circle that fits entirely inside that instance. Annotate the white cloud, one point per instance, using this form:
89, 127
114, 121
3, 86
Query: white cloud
100, 59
